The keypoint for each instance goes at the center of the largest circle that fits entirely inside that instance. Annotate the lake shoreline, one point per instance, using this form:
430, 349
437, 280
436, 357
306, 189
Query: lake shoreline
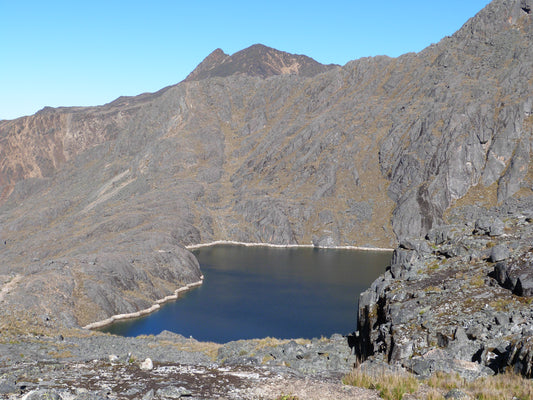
156, 306
175, 296
283, 246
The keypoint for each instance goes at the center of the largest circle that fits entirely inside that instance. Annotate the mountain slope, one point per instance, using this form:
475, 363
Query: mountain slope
365, 154
468, 126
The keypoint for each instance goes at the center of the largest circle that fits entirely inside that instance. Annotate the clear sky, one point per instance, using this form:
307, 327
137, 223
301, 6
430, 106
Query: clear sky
78, 53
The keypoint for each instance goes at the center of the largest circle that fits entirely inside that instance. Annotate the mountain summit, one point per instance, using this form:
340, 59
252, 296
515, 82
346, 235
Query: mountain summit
257, 60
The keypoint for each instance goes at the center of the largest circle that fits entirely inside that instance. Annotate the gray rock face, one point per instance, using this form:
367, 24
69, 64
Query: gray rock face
478, 148
447, 311
325, 357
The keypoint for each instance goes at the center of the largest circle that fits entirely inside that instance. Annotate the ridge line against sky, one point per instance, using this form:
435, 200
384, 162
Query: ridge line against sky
69, 53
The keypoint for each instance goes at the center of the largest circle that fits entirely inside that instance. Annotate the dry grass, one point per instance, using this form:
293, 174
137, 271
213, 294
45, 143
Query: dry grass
210, 349
394, 386
60, 354
273, 342
499, 387
478, 194
444, 381
434, 395
390, 386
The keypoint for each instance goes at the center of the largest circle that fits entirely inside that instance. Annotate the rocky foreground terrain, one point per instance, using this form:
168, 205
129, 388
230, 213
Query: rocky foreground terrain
170, 366
459, 300
429, 153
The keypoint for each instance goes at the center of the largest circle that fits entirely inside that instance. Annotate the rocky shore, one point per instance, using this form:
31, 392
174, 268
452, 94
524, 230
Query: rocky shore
155, 307
458, 300
286, 246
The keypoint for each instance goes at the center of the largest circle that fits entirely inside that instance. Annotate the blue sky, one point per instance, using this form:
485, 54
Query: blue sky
79, 53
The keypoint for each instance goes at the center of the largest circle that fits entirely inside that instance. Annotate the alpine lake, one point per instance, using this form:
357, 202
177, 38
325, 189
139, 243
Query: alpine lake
254, 292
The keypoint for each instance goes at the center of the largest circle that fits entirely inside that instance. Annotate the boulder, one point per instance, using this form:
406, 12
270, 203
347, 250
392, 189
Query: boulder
8, 385
524, 285
43, 395
147, 365
516, 275
520, 356
498, 253
456, 394
441, 361
173, 392
323, 241
489, 226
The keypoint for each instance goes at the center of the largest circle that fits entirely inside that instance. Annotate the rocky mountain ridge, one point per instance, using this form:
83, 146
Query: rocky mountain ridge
98, 203
257, 60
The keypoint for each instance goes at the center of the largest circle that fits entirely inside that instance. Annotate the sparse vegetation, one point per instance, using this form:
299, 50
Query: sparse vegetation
390, 386
394, 386
501, 303
503, 386
477, 281
434, 395
60, 354
287, 397
267, 358
208, 348
433, 289
435, 264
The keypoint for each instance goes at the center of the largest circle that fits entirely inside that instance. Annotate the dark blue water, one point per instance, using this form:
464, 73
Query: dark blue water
252, 292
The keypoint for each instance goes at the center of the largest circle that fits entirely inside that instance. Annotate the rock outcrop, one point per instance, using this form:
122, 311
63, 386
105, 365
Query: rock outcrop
448, 304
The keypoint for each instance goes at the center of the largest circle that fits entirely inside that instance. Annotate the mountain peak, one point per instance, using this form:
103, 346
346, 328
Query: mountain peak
497, 17
214, 59
257, 60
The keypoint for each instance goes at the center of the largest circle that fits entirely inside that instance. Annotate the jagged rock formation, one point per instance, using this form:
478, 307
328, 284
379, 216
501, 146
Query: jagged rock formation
458, 300
257, 60
470, 122
261, 146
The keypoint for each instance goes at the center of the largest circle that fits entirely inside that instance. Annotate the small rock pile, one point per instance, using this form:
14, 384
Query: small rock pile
325, 357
